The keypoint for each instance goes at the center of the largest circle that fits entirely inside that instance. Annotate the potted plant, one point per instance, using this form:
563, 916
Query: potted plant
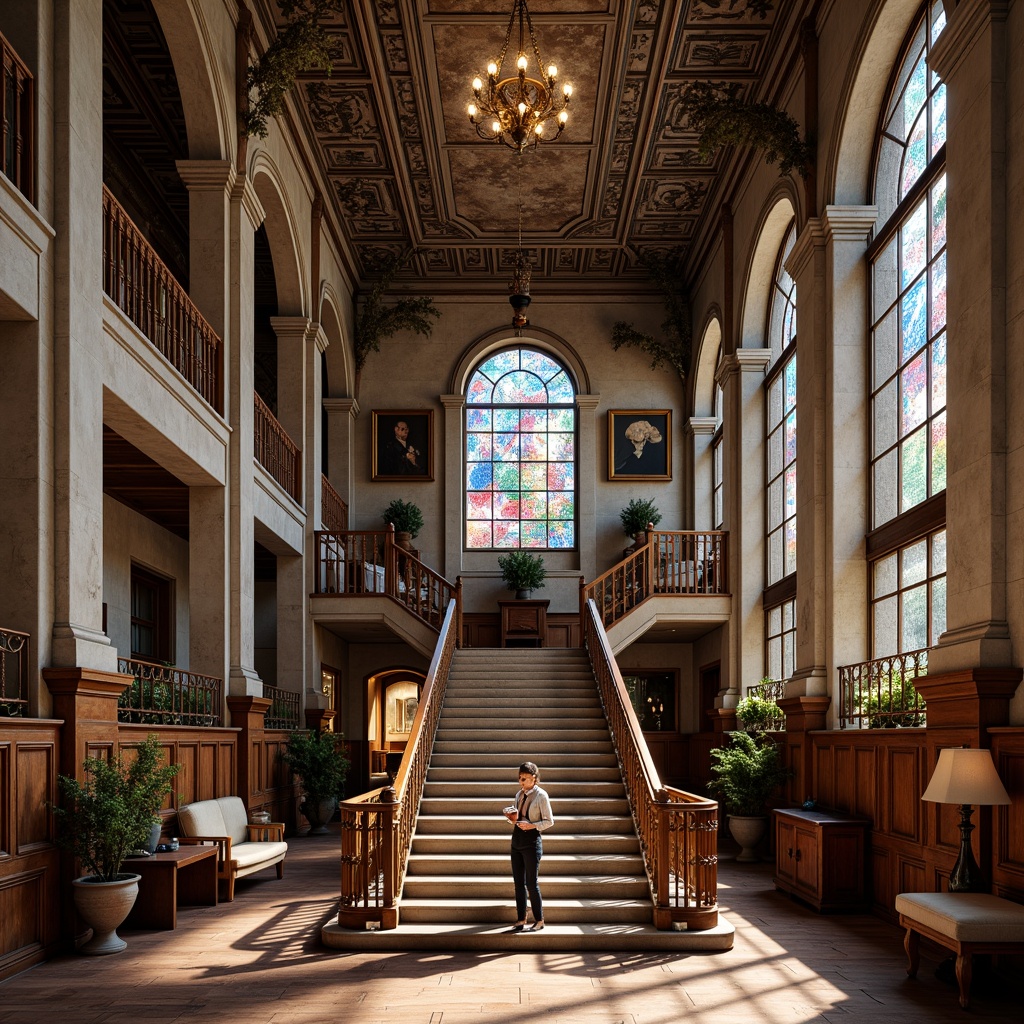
319, 760
759, 715
636, 516
522, 572
407, 520
101, 821
747, 773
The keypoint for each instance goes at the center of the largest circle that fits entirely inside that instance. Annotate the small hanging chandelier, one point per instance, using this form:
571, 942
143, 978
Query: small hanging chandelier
519, 111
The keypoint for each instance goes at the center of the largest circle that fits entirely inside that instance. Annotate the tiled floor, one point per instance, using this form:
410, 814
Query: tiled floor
259, 960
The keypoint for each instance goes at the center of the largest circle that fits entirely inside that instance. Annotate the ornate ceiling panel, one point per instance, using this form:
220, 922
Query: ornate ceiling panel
407, 168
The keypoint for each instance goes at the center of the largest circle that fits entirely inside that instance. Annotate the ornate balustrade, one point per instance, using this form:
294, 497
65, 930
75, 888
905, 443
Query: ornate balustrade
333, 509
880, 694
276, 452
360, 562
673, 562
767, 689
17, 120
165, 695
137, 280
377, 827
15, 651
283, 712
678, 831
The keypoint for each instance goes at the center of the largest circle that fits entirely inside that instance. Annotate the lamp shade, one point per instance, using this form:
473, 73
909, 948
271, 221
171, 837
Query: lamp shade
965, 776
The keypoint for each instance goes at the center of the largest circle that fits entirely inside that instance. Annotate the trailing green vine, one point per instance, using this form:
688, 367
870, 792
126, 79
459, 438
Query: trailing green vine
674, 349
301, 44
721, 118
377, 322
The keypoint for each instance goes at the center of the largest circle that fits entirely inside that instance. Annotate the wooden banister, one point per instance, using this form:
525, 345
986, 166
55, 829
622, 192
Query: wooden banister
17, 121
678, 831
333, 508
275, 451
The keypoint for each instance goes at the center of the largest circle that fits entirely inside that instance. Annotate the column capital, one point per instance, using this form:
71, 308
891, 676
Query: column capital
243, 192
207, 175
341, 405
453, 401
810, 239
743, 360
320, 337
848, 223
588, 401
696, 425
964, 26
293, 326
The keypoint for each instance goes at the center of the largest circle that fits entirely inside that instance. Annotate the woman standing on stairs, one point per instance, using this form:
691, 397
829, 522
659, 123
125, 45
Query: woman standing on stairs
530, 816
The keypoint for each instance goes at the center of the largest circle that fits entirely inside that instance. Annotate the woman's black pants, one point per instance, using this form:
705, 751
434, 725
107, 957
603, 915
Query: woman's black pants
525, 864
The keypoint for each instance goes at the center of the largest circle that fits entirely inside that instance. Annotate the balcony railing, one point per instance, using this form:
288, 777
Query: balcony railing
676, 562
17, 117
165, 695
333, 510
283, 712
136, 279
767, 689
678, 831
276, 451
15, 650
880, 694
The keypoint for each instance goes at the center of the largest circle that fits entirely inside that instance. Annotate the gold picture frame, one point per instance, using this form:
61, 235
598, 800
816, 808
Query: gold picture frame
640, 444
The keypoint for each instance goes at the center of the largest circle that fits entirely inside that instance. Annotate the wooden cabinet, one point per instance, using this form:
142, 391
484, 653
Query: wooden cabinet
524, 623
819, 857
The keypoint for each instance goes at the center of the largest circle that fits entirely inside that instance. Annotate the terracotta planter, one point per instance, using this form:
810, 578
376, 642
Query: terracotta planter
748, 832
104, 906
403, 539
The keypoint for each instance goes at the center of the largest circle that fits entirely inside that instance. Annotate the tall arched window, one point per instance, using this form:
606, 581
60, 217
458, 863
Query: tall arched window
520, 453
907, 546
780, 475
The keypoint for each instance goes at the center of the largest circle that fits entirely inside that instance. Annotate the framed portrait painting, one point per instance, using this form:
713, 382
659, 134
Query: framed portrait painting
403, 444
639, 444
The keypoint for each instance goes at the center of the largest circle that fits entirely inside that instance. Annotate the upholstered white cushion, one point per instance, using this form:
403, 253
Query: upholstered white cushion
253, 856
233, 811
203, 818
965, 916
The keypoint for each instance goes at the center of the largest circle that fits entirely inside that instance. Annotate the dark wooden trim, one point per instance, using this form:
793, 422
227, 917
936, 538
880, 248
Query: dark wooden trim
784, 590
907, 203
911, 525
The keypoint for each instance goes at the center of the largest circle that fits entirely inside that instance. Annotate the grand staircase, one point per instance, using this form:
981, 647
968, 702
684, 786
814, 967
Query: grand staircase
502, 708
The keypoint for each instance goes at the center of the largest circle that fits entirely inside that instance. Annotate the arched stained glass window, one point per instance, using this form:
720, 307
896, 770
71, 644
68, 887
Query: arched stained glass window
520, 453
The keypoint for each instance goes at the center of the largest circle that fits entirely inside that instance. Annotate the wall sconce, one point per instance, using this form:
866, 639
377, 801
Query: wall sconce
965, 776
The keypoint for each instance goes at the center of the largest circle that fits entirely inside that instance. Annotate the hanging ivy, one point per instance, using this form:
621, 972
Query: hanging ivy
376, 321
722, 118
674, 348
300, 45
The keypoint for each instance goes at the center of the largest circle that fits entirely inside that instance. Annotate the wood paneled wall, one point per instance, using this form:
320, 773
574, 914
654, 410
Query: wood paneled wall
483, 629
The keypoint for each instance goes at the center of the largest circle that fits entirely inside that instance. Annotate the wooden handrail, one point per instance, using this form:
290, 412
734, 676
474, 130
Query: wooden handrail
333, 508
377, 827
137, 280
275, 451
360, 562
678, 831
672, 562
17, 121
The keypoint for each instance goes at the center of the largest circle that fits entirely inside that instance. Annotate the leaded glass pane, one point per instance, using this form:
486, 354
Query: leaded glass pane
939, 372
533, 534
479, 391
561, 419
886, 419
506, 419
562, 534
479, 505
478, 535
914, 470
561, 447
914, 559
519, 387
938, 624
914, 395
914, 248
539, 363
938, 453
562, 476
506, 447
534, 505
561, 505
914, 623
913, 319
886, 631
506, 534
790, 564
560, 389
534, 476
939, 553
885, 576
478, 476
500, 364
506, 476
885, 348
532, 419
533, 447
478, 419
938, 297
885, 487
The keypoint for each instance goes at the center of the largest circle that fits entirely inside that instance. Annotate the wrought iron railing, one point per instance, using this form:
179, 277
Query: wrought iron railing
678, 831
283, 712
137, 280
15, 650
333, 509
767, 689
770, 691
880, 694
673, 562
377, 827
165, 695
276, 452
17, 120
360, 562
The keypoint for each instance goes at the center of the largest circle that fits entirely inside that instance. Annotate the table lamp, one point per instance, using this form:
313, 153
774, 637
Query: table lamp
965, 776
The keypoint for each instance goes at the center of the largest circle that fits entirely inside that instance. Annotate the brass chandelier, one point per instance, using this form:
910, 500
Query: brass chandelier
519, 111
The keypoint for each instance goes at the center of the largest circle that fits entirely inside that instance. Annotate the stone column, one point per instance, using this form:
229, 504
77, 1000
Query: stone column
971, 56
699, 497
78, 637
741, 377
454, 430
341, 417
586, 513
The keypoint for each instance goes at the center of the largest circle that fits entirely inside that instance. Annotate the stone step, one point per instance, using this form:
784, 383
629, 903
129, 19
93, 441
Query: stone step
580, 807
516, 723
488, 887
502, 762
557, 864
499, 789
515, 750
577, 732
472, 772
474, 705
485, 713
494, 824
498, 844
499, 912
507, 694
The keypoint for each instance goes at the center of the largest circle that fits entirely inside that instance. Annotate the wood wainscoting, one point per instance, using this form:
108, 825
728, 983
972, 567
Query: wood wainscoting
483, 629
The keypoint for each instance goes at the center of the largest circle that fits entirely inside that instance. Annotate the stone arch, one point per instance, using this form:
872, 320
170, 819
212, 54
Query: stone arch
779, 213
702, 400
547, 341
281, 226
206, 97
340, 373
848, 169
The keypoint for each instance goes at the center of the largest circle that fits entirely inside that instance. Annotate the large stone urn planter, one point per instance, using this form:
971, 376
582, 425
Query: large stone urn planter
318, 814
104, 906
748, 832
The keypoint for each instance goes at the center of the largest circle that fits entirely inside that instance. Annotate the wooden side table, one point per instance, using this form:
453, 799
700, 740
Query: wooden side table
524, 623
187, 875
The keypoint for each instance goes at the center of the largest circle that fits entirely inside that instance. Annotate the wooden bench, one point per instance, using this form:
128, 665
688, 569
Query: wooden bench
964, 922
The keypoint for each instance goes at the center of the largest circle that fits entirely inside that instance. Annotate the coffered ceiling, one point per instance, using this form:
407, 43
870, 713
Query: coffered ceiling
407, 169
